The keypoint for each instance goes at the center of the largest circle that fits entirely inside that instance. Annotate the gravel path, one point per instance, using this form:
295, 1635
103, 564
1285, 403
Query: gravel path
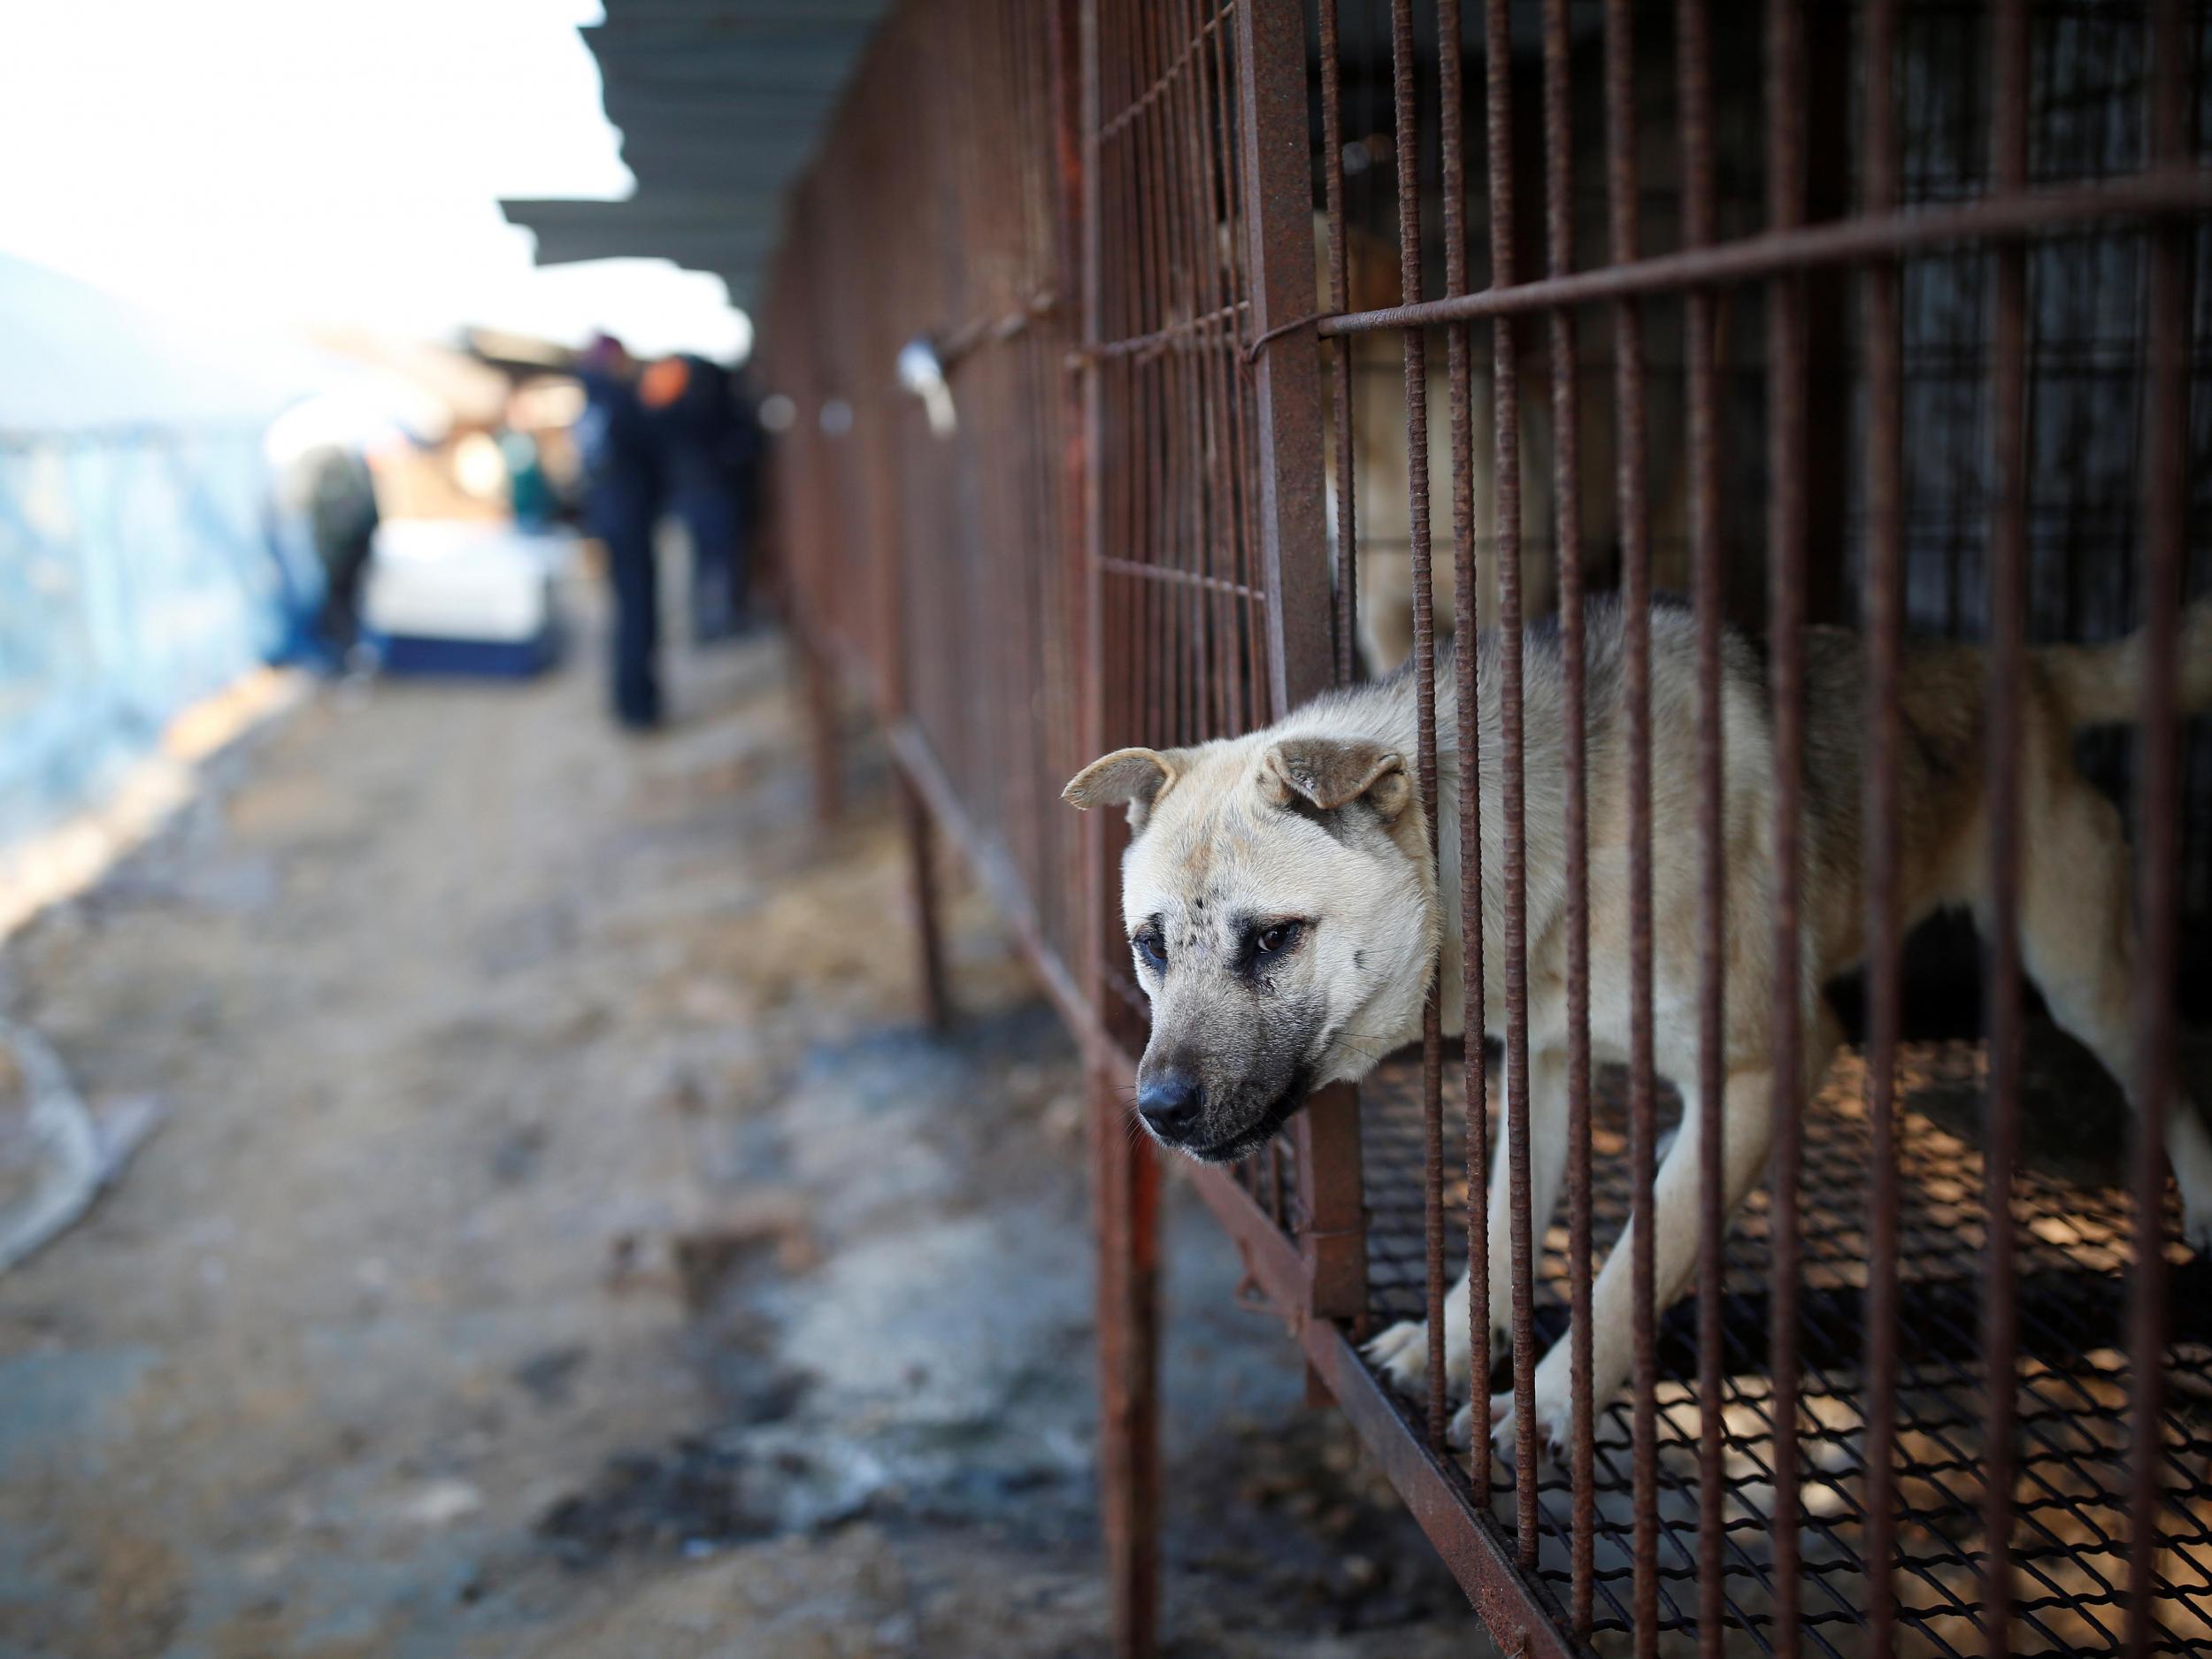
561, 1240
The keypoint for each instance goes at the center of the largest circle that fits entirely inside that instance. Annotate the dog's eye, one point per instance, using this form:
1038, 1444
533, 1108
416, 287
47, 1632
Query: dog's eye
1272, 940
1152, 948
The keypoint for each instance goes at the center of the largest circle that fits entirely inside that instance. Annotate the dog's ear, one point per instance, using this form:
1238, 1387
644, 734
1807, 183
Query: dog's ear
1323, 773
1131, 776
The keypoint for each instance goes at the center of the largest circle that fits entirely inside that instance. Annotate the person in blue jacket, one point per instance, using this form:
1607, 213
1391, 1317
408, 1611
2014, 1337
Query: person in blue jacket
702, 434
622, 484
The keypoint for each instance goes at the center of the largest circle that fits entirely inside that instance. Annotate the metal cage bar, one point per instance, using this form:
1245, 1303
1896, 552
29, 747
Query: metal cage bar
1786, 457
2166, 528
1559, 243
1629, 404
1884, 608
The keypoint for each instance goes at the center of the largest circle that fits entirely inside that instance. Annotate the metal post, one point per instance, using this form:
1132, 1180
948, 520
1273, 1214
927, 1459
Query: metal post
921, 874
1277, 196
1126, 1187
821, 722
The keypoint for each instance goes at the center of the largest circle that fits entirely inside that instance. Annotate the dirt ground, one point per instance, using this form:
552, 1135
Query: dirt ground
561, 1240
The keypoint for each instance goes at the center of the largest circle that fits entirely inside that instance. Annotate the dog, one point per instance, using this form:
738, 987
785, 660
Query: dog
1286, 914
1382, 464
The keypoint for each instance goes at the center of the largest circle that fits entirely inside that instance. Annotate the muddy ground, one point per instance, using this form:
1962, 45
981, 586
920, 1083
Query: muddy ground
561, 1240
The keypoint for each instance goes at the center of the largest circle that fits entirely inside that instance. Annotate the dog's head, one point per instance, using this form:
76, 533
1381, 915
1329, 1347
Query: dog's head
1279, 902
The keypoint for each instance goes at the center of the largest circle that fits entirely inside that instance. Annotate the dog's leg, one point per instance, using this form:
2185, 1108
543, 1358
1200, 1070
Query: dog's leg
1402, 1351
1547, 1177
1747, 1129
2078, 943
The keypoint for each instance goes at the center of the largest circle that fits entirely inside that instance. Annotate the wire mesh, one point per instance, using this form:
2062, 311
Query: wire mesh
935, 566
2074, 1218
1183, 590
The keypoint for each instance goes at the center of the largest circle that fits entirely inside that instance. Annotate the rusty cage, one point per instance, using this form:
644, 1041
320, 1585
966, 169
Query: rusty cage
1882, 315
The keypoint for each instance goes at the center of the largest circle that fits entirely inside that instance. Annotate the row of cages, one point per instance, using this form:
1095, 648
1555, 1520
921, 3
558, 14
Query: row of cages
1735, 473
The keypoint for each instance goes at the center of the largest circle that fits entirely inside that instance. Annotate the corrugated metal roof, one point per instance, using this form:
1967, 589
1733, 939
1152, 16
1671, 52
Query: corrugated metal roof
720, 103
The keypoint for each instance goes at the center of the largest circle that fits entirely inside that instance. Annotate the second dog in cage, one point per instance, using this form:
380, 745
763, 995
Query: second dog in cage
1287, 914
1381, 456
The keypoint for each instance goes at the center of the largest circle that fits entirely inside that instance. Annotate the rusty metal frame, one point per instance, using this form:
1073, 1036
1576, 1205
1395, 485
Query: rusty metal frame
1163, 573
1286, 395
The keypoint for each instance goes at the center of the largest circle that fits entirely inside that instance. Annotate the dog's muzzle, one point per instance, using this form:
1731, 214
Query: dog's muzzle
1170, 1104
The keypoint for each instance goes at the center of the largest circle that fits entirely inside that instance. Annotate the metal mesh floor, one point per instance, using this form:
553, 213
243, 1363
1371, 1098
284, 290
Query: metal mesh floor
2069, 1543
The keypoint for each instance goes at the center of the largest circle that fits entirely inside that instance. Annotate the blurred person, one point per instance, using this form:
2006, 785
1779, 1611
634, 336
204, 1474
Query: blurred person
621, 501
342, 519
696, 422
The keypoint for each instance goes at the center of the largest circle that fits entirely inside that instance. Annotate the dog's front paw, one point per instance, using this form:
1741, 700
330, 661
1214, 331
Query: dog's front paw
1461, 1432
1555, 1426
1401, 1354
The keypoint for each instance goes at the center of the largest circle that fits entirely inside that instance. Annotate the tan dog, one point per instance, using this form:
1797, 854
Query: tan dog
1283, 908
1382, 466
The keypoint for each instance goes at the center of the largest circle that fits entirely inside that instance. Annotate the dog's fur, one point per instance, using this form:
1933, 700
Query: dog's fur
1382, 467
1313, 828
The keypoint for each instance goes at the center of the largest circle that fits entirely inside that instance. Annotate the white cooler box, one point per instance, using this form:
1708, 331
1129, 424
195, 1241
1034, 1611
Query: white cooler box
458, 597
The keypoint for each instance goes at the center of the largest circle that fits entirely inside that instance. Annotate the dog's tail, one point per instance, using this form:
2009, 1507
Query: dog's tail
2103, 685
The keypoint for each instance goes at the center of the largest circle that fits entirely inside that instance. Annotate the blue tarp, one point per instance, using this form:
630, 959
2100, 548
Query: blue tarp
142, 564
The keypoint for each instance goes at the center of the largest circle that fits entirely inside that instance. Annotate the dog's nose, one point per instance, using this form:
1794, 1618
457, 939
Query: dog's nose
1169, 1104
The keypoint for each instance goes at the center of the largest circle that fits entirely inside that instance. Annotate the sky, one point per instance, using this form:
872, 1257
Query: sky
314, 162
